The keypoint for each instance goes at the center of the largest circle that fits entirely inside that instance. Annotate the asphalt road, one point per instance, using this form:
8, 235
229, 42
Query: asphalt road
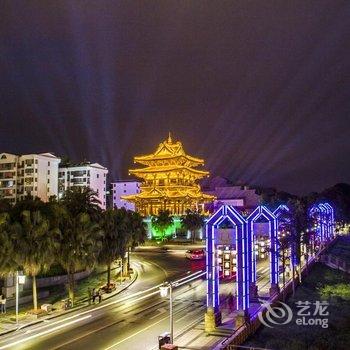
134, 318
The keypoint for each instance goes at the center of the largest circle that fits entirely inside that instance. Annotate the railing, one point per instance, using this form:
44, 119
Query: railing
242, 333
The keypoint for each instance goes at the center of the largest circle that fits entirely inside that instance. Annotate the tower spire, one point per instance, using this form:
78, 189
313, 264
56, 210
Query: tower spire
169, 138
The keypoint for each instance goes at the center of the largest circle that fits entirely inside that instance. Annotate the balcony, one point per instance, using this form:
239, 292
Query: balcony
7, 175
28, 180
6, 184
78, 181
7, 192
78, 173
7, 166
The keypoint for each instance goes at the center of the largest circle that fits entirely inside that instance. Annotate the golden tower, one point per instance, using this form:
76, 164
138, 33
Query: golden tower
169, 181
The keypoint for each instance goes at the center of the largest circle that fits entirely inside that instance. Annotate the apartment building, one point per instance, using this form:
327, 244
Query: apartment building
86, 174
29, 174
123, 188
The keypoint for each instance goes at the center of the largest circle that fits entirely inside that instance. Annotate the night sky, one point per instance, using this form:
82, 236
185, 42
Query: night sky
260, 89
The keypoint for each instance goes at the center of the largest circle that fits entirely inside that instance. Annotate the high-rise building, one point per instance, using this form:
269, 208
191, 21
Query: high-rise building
169, 181
29, 174
89, 175
124, 188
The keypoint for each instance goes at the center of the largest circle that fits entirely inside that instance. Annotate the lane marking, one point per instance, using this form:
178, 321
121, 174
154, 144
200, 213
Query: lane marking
132, 335
44, 332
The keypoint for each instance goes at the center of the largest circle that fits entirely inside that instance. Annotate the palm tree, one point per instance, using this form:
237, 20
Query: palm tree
297, 226
192, 221
138, 232
79, 246
82, 200
7, 262
162, 222
109, 243
35, 245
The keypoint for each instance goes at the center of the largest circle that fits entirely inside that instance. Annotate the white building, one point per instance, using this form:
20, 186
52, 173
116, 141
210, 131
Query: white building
30, 174
122, 188
88, 175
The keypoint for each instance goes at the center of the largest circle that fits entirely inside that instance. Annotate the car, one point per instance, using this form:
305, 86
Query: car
195, 254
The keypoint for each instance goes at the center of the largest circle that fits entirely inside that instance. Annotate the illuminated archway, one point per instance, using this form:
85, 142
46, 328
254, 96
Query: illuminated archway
239, 239
262, 212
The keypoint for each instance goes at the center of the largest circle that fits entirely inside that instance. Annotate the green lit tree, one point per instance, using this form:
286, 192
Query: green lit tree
162, 222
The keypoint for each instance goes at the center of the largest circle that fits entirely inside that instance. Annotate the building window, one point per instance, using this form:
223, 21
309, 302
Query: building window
48, 181
36, 161
36, 170
48, 172
35, 188
124, 191
97, 175
48, 163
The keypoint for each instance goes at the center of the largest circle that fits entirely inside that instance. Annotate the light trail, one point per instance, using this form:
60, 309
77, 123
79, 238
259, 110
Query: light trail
43, 333
127, 302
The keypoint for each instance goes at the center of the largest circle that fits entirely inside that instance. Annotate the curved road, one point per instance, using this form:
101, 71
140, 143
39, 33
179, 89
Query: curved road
134, 318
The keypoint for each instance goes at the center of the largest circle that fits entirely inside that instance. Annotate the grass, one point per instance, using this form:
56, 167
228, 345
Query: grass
323, 284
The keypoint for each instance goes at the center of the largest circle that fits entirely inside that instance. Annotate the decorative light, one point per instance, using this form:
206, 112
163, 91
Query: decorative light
21, 279
163, 291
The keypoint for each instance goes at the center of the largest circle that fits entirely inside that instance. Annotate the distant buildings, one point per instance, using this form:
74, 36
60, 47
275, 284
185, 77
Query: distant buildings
89, 175
241, 197
124, 188
29, 174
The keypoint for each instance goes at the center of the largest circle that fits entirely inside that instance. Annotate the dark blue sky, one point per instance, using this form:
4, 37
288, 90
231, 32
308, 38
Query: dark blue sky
260, 89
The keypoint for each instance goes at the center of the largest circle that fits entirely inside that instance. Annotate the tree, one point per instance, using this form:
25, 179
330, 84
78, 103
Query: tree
192, 222
138, 232
162, 222
81, 234
7, 257
35, 245
5, 205
124, 236
297, 224
79, 246
79, 200
109, 243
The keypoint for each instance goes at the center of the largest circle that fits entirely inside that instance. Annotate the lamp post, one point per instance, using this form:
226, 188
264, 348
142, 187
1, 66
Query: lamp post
164, 293
20, 279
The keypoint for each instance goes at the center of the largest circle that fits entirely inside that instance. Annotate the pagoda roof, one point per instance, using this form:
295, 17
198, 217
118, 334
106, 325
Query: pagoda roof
168, 150
168, 168
157, 193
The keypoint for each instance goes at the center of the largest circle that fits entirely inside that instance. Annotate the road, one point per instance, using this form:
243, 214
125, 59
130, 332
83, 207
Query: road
134, 318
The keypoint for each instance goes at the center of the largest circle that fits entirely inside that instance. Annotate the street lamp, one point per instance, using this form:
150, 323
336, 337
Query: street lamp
164, 293
20, 280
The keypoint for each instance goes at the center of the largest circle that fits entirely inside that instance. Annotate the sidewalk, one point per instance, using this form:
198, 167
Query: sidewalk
8, 320
194, 337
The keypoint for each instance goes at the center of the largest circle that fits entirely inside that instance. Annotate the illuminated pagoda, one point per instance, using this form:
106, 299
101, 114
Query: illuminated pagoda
169, 181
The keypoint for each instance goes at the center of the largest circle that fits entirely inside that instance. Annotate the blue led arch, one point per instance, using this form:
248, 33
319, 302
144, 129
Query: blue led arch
242, 255
259, 212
